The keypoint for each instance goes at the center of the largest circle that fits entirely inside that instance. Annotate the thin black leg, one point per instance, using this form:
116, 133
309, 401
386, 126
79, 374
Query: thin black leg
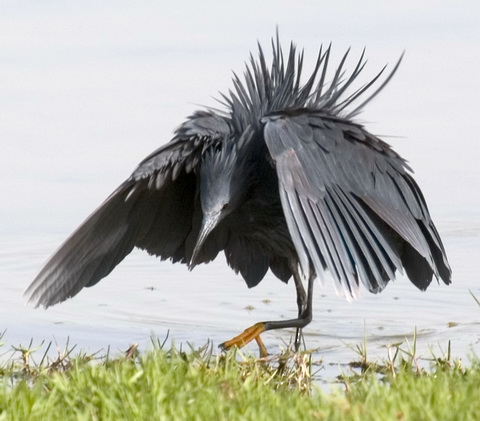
253, 332
301, 304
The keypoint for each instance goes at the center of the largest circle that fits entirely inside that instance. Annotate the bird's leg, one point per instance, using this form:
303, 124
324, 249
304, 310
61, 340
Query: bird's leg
253, 332
301, 303
248, 335
261, 347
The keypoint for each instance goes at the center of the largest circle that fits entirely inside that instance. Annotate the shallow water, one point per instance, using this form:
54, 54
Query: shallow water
80, 108
145, 298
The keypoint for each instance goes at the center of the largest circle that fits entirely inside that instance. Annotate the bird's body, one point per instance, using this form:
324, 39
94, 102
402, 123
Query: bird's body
284, 180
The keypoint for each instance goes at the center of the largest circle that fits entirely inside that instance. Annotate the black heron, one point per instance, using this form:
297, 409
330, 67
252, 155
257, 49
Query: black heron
282, 179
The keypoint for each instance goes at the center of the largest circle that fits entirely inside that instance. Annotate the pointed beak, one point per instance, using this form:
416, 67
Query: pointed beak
209, 222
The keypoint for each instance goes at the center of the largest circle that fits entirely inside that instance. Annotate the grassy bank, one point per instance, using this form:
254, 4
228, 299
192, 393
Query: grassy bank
172, 384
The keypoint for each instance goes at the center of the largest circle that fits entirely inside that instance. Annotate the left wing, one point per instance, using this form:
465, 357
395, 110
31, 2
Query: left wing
350, 204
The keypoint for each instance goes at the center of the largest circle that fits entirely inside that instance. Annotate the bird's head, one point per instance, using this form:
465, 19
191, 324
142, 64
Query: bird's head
224, 175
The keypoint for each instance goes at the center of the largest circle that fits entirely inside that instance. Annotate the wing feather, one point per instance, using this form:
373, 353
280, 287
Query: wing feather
88, 254
152, 210
351, 205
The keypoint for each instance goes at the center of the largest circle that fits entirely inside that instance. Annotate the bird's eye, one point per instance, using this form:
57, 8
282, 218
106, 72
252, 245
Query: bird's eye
225, 206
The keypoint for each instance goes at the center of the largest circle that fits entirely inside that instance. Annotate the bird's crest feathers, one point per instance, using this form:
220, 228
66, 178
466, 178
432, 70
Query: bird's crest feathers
266, 89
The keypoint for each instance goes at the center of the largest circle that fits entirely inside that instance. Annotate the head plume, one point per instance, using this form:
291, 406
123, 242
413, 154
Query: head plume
279, 87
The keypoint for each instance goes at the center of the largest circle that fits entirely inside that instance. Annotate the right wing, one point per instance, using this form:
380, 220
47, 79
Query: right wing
153, 210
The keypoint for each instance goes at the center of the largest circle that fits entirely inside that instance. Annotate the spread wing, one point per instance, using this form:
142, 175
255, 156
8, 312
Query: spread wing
350, 204
153, 210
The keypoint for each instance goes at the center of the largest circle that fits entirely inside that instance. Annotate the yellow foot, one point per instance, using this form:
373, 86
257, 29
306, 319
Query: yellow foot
261, 347
248, 335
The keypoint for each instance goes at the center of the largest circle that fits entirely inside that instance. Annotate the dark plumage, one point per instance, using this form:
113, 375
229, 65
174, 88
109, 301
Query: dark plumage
283, 179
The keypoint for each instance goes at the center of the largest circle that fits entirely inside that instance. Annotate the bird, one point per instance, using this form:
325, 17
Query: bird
280, 177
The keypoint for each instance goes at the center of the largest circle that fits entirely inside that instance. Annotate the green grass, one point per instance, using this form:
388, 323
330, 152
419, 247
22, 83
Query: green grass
197, 384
